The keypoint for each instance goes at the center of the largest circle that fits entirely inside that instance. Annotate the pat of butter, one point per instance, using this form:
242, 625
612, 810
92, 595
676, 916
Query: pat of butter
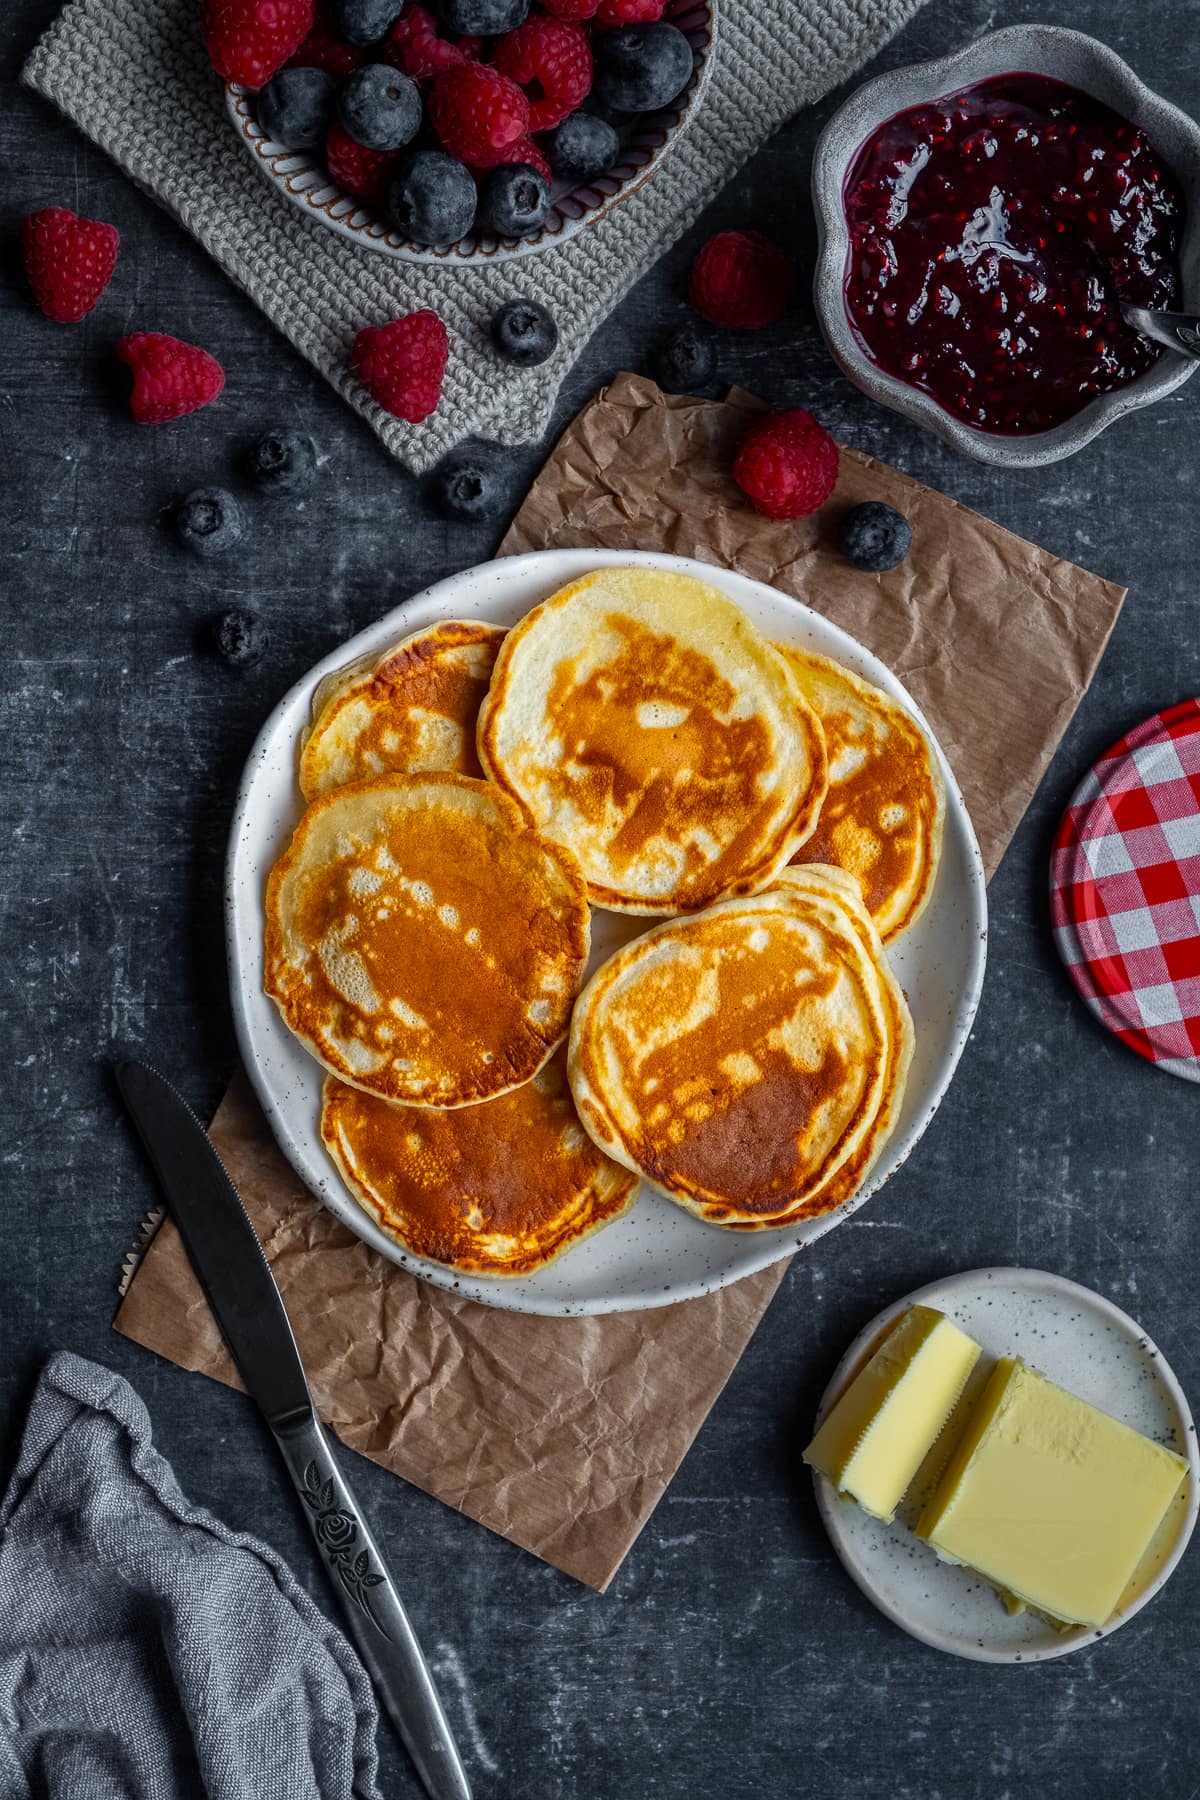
880, 1431
1049, 1499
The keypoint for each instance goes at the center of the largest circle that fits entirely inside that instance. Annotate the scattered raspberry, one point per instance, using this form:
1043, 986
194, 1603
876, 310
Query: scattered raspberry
322, 50
630, 12
367, 174
416, 46
570, 9
401, 364
248, 40
552, 60
170, 378
68, 261
787, 464
479, 114
741, 279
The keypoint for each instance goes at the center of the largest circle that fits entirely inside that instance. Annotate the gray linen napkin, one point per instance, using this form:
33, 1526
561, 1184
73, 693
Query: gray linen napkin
146, 1651
134, 76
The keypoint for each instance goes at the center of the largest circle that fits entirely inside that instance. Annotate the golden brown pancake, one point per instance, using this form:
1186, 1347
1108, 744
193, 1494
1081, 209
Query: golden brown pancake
413, 708
823, 883
639, 718
500, 1189
422, 941
739, 1059
882, 817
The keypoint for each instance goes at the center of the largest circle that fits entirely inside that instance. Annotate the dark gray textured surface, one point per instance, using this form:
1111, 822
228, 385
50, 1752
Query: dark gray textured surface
731, 1658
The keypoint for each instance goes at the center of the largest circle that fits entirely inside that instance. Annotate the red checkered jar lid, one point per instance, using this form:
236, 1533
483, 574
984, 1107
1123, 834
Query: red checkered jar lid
1125, 889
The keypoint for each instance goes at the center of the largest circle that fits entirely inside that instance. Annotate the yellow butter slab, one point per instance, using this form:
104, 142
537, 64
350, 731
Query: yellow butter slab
880, 1431
1050, 1499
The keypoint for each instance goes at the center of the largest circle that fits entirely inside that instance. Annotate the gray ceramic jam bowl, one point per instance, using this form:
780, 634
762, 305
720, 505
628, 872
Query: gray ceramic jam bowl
1067, 56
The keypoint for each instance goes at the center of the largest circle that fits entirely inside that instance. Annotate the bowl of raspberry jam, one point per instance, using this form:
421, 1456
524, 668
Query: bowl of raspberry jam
982, 220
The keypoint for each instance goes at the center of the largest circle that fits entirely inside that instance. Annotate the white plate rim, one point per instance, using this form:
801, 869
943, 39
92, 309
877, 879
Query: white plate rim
554, 568
828, 1504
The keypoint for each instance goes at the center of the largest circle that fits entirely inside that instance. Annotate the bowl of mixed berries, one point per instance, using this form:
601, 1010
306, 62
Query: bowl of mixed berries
460, 131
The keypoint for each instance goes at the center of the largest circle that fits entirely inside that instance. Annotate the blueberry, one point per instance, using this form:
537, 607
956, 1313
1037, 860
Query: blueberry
875, 537
433, 198
469, 486
685, 362
524, 332
283, 462
363, 22
514, 200
209, 521
239, 638
379, 107
481, 18
295, 106
641, 67
582, 147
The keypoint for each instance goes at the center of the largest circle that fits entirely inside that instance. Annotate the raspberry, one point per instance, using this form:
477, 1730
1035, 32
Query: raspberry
367, 174
401, 364
787, 464
523, 151
322, 50
552, 61
741, 279
570, 9
170, 378
416, 46
68, 261
248, 40
630, 12
478, 114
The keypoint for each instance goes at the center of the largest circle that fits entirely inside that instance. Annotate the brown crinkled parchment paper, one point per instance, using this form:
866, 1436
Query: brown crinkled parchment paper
562, 1434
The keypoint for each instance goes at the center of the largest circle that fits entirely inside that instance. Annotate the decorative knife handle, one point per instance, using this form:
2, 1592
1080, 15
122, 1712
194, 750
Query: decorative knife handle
375, 1614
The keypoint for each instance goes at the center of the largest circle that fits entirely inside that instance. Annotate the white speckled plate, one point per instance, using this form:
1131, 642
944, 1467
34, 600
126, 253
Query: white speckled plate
657, 1253
1086, 1344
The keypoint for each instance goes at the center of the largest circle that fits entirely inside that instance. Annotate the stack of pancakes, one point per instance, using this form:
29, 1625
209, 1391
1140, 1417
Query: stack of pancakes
634, 744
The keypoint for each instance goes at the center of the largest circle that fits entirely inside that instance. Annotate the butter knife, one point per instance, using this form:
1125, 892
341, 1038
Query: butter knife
228, 1259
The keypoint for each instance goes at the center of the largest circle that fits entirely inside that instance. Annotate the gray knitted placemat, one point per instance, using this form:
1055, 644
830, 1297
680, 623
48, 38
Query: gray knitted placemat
133, 75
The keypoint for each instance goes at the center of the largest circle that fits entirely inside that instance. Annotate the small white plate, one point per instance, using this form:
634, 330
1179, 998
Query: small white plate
656, 1253
1087, 1345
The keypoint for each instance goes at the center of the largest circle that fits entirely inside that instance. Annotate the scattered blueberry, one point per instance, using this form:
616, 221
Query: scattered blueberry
363, 22
209, 521
514, 200
686, 362
583, 146
642, 67
240, 638
295, 107
433, 198
481, 18
469, 486
524, 332
282, 462
379, 107
875, 537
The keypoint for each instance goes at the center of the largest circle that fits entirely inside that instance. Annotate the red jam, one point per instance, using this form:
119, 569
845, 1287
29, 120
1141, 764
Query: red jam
992, 233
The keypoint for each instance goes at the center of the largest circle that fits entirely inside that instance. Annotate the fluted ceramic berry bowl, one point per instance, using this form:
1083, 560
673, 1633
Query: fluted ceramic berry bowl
1039, 50
646, 142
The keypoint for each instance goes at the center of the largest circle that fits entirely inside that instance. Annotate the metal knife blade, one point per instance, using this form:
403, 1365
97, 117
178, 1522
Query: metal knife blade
220, 1241
225, 1252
